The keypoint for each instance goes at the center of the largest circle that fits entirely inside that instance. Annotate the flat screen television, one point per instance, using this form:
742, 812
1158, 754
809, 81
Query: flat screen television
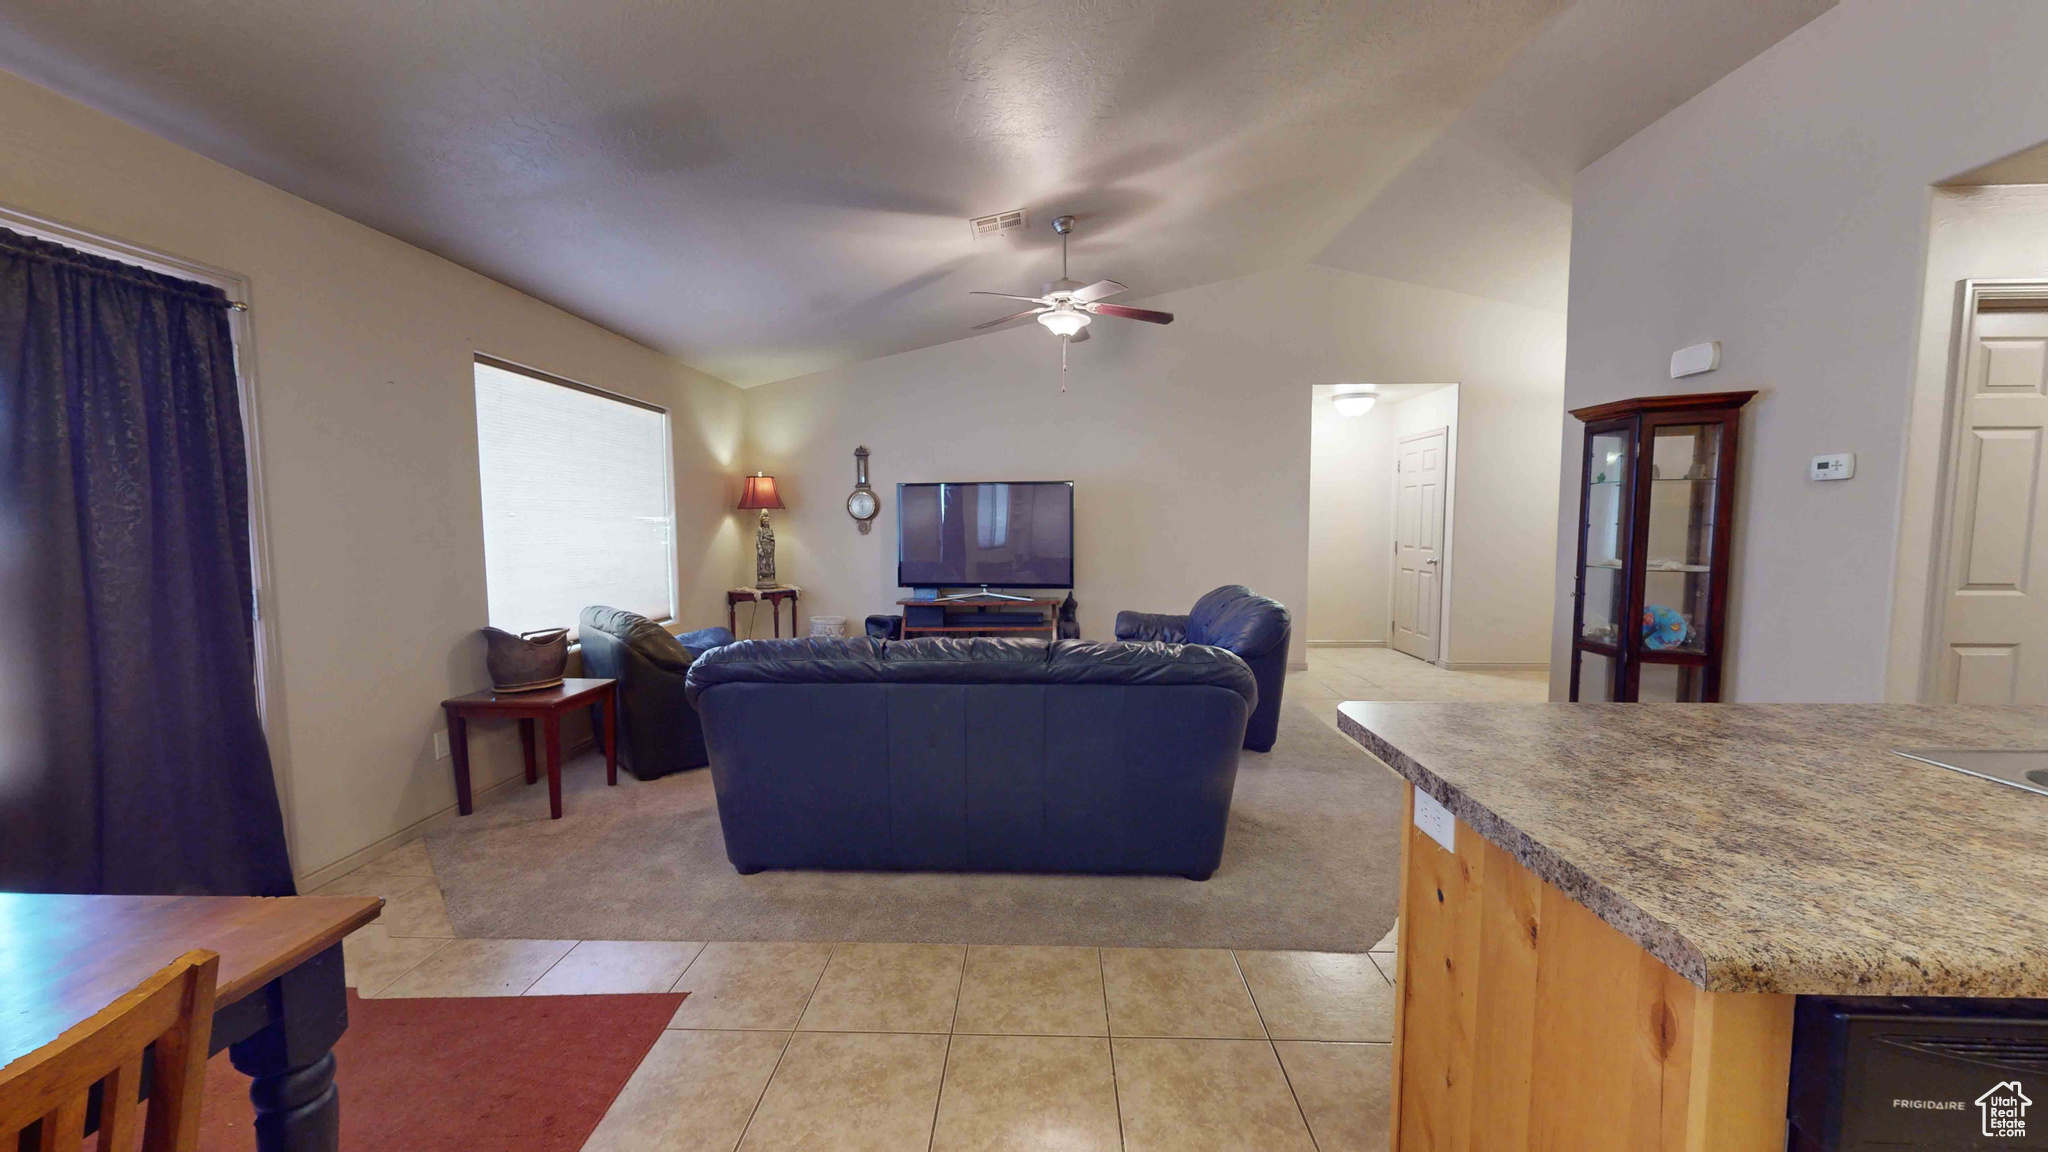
1002, 535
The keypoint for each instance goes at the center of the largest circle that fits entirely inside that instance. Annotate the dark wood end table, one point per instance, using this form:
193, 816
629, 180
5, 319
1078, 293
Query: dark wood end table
547, 706
775, 597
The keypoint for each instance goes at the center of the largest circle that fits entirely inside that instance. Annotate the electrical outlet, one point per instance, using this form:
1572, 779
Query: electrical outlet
1436, 820
440, 744
1834, 466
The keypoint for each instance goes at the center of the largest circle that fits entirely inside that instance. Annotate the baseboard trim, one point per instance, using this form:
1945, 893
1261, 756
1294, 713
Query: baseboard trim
1297, 665
1347, 643
418, 828
1484, 666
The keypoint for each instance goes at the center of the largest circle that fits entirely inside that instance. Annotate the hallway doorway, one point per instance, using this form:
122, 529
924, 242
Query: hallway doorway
1382, 482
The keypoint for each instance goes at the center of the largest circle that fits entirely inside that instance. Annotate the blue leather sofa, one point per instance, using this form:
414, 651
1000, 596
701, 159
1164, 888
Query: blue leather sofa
1240, 620
973, 755
658, 730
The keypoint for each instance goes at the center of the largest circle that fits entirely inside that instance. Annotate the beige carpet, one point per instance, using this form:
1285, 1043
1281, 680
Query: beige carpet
1312, 862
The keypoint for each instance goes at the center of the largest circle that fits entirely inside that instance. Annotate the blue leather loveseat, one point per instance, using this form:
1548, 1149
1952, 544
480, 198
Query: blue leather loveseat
1234, 617
973, 755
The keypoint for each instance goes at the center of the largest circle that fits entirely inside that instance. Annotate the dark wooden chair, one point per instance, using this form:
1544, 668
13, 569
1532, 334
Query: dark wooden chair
172, 1011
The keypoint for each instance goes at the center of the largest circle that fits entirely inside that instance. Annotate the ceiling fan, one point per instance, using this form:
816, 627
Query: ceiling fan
1067, 305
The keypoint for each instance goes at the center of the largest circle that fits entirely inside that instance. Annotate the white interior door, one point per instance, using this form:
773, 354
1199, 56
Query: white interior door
1994, 647
1419, 543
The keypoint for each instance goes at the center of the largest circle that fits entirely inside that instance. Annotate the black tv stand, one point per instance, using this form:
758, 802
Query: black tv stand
975, 615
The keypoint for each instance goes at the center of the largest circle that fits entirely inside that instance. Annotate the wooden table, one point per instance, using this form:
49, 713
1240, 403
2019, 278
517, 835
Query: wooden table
734, 597
279, 1008
547, 706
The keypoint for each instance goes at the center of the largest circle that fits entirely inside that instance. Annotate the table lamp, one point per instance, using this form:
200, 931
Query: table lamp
760, 493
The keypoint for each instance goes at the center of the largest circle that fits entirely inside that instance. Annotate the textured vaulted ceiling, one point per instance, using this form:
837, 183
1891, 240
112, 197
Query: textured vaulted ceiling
1488, 208
774, 187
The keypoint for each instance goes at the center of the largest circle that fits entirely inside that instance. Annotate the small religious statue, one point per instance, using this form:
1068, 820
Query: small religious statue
764, 554
760, 493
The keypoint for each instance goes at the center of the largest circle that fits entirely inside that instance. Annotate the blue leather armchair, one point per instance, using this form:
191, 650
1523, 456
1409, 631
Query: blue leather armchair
1235, 618
955, 755
658, 729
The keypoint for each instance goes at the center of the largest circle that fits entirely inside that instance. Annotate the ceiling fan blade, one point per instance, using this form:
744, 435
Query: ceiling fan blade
1098, 290
1011, 296
1128, 313
1007, 319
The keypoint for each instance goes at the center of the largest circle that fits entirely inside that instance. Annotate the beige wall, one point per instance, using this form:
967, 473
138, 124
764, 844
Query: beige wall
362, 363
1350, 521
1784, 212
1189, 443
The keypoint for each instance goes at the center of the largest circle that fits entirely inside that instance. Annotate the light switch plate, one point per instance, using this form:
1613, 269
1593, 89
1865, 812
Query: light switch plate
1833, 466
1436, 820
440, 744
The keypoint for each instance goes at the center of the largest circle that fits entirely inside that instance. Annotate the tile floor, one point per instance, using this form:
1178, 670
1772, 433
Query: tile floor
931, 1047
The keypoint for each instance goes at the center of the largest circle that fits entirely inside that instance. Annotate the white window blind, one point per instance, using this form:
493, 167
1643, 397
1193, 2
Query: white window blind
577, 502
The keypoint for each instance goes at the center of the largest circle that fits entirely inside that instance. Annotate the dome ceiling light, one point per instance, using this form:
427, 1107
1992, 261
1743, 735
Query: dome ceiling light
1355, 399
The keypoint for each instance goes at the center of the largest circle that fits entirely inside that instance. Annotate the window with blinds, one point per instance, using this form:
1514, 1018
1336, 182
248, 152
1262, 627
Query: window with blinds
578, 505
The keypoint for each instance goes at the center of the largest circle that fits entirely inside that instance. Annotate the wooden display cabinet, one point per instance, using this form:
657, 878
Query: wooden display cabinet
1656, 501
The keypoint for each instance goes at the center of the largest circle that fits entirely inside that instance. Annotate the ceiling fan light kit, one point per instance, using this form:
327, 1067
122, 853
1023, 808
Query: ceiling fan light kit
1067, 306
1064, 322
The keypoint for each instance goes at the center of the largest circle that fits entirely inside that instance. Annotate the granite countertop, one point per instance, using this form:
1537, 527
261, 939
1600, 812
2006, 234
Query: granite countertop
1758, 847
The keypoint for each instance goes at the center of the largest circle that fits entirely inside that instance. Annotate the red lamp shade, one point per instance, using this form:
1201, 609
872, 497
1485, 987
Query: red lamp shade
760, 493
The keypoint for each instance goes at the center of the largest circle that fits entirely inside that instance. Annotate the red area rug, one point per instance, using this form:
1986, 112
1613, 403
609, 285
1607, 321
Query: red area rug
484, 1074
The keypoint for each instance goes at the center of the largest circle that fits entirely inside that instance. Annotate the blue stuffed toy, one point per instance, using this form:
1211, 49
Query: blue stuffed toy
1664, 628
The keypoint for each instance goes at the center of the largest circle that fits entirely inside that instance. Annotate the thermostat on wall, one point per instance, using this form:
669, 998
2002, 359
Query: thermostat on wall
1696, 359
1834, 466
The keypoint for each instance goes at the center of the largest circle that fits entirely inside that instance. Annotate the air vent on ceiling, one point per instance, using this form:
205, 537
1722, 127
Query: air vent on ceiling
996, 225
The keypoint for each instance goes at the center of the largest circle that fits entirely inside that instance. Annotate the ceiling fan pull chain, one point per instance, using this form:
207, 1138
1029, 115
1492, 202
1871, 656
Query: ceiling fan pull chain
1063, 365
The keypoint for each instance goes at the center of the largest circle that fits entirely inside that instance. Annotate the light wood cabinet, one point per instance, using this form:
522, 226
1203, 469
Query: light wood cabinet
1524, 1021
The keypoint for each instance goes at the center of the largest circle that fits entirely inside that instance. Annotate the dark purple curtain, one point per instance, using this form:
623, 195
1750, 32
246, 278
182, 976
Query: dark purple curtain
134, 760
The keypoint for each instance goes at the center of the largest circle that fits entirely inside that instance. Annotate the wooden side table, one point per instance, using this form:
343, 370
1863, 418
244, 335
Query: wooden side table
734, 597
547, 706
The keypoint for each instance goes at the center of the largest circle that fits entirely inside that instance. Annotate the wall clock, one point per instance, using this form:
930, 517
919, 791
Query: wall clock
863, 503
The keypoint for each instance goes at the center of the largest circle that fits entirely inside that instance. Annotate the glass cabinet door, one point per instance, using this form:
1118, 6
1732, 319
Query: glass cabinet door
1604, 580
1598, 677
1678, 549
1664, 683
1678, 559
